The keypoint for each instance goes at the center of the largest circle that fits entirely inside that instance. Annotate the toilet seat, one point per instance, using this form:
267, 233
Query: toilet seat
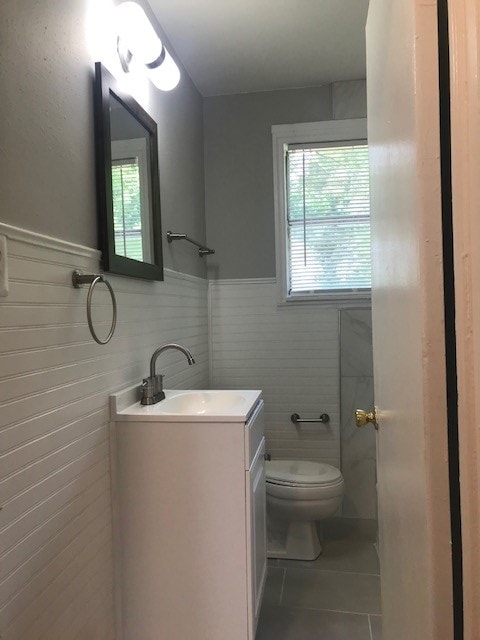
302, 473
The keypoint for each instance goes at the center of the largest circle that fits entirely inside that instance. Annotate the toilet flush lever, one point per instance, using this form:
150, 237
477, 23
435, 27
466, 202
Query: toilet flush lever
362, 417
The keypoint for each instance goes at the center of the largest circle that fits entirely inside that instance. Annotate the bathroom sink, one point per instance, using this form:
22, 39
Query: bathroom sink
210, 405
201, 402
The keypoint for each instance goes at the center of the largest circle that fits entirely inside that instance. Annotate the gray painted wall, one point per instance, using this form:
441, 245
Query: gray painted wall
239, 168
123, 126
47, 178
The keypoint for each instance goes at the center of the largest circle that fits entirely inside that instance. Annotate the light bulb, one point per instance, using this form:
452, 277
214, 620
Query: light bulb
101, 33
137, 33
167, 75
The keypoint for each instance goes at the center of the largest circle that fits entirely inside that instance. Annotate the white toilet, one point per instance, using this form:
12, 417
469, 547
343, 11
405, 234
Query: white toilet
298, 494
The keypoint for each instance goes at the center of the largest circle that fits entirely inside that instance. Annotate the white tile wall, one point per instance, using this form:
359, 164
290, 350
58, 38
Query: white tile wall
290, 353
55, 522
358, 446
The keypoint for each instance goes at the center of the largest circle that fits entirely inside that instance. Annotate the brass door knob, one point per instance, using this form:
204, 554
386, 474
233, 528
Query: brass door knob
363, 417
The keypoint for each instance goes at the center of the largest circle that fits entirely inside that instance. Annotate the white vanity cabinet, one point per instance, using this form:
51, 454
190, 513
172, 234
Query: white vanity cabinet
189, 518
256, 530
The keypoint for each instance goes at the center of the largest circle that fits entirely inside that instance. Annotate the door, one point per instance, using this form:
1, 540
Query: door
408, 319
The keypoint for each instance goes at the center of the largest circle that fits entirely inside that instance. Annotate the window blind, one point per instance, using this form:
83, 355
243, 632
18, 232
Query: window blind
127, 210
328, 218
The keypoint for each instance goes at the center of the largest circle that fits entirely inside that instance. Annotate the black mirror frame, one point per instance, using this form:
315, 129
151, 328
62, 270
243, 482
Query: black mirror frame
104, 86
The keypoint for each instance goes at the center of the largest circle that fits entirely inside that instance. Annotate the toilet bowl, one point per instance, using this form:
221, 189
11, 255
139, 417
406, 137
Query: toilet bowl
299, 493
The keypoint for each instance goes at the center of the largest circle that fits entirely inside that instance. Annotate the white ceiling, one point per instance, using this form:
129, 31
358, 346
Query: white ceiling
237, 46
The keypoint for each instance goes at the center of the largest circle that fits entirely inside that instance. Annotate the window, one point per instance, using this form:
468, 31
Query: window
127, 218
323, 210
130, 195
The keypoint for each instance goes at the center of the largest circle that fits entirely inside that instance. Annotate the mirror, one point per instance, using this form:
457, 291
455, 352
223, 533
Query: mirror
128, 186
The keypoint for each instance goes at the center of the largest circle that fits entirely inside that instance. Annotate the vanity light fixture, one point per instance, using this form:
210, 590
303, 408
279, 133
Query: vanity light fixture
139, 47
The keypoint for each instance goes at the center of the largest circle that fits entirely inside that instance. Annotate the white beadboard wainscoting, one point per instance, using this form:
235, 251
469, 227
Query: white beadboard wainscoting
291, 353
55, 523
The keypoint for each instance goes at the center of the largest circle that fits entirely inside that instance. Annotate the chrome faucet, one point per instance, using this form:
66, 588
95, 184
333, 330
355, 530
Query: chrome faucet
152, 387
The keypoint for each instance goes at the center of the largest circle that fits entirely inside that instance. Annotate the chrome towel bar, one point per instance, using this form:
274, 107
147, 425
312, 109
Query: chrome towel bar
324, 419
202, 250
78, 278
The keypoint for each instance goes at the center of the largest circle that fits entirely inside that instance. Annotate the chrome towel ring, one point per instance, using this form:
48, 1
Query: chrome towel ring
78, 278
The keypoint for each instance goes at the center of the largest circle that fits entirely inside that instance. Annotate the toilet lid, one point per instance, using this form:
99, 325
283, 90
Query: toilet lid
301, 472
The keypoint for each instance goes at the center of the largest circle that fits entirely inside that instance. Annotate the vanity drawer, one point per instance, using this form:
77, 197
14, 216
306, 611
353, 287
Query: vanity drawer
254, 432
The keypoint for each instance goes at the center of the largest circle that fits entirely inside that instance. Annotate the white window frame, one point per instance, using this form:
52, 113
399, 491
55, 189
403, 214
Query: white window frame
284, 135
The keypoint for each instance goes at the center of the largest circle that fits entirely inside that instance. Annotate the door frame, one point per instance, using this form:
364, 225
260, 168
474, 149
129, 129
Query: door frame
464, 56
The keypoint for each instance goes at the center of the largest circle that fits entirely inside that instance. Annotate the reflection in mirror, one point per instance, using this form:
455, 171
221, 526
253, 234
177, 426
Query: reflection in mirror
127, 182
132, 213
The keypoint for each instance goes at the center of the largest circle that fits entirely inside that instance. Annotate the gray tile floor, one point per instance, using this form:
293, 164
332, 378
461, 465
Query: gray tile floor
336, 597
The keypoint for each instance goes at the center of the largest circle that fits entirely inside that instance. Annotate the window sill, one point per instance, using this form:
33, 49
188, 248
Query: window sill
337, 301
